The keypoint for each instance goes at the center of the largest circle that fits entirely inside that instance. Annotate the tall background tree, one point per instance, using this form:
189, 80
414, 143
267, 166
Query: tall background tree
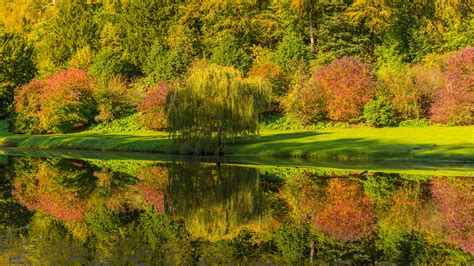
17, 66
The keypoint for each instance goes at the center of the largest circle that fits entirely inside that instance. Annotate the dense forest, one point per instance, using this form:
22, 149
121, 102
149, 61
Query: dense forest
178, 65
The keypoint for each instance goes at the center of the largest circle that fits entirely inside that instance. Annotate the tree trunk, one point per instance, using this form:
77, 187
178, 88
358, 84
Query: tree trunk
311, 252
311, 29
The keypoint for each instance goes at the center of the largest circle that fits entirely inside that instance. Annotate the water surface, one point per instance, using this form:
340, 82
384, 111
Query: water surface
71, 211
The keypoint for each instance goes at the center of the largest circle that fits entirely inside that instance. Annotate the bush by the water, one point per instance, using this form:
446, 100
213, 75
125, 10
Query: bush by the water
304, 104
114, 100
411, 89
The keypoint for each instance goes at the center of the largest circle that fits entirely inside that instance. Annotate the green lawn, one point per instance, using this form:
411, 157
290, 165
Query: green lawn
402, 143
391, 144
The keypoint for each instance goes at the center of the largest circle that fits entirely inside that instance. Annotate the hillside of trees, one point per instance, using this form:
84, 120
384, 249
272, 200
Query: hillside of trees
72, 64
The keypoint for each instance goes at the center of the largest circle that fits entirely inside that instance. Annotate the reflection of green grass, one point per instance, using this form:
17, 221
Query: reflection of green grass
118, 160
391, 144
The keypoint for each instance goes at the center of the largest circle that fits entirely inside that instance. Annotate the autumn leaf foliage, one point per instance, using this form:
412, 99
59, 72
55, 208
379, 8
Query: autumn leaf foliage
153, 107
347, 85
454, 103
62, 103
346, 213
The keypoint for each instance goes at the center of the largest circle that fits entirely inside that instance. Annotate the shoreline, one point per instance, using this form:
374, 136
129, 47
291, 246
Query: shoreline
427, 145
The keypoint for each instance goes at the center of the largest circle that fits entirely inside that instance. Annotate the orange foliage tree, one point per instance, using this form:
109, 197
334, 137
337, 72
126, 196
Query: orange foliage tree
347, 85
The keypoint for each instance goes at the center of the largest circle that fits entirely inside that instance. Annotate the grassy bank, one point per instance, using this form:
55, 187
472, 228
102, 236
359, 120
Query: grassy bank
391, 144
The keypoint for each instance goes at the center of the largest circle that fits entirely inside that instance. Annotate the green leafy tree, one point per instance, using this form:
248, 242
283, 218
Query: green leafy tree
339, 37
108, 64
142, 23
229, 52
214, 106
291, 51
59, 39
165, 64
17, 66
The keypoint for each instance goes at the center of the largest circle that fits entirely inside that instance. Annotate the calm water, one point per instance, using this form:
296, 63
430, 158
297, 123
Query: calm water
60, 211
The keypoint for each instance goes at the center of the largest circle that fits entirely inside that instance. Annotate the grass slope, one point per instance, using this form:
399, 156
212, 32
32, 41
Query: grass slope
391, 144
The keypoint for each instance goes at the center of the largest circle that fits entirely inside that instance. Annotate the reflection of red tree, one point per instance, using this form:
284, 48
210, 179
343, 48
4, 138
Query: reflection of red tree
346, 213
455, 201
154, 180
152, 196
42, 193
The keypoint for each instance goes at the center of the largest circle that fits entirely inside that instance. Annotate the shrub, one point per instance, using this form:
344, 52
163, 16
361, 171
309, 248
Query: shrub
347, 85
62, 103
411, 90
153, 107
67, 102
379, 113
27, 106
114, 100
213, 107
454, 103
415, 123
304, 104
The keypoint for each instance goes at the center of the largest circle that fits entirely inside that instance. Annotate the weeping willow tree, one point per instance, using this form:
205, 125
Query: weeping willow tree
214, 106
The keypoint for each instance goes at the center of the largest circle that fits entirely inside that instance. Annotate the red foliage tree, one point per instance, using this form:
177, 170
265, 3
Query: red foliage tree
27, 106
61, 103
454, 103
455, 201
346, 213
153, 107
67, 102
347, 85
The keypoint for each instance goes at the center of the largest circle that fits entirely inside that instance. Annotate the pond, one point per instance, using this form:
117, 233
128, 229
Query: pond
61, 211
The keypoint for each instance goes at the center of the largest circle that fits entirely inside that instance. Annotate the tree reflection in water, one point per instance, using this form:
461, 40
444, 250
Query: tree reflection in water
140, 212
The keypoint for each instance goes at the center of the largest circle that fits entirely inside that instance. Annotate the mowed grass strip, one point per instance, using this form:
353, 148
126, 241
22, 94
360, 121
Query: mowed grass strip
400, 143
391, 144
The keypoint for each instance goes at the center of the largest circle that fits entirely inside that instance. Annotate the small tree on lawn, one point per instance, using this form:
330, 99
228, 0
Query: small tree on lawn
213, 106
